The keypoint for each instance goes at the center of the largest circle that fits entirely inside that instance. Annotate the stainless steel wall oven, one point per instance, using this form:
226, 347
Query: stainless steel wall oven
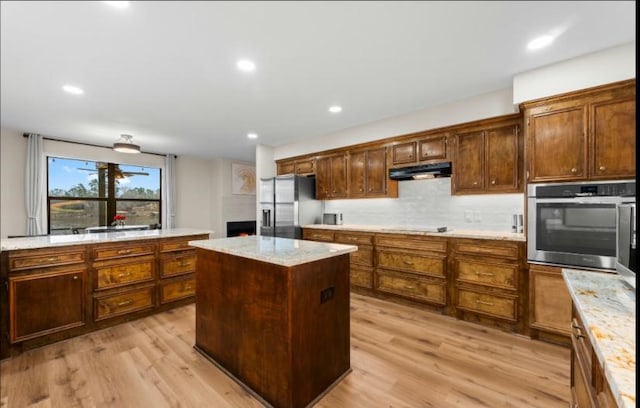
574, 224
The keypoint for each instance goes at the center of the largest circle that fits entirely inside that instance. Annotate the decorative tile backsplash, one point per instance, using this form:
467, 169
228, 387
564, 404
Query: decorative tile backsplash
428, 203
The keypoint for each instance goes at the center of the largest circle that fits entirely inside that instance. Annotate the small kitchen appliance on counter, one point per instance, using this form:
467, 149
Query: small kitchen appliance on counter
332, 218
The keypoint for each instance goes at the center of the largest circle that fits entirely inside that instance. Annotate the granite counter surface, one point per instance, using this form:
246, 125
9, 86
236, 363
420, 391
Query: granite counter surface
607, 306
12, 244
279, 251
426, 231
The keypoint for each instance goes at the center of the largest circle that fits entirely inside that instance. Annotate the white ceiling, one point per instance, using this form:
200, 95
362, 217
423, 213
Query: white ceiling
165, 71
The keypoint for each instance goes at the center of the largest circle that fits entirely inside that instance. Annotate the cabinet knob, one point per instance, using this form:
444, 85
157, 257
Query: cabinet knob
75, 277
602, 168
475, 183
411, 156
361, 189
574, 170
493, 182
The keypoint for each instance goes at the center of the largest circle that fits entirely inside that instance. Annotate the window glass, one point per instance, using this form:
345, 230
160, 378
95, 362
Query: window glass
73, 216
137, 182
77, 178
139, 212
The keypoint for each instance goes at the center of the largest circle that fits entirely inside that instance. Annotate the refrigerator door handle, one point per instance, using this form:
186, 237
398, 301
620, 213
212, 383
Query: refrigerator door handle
266, 218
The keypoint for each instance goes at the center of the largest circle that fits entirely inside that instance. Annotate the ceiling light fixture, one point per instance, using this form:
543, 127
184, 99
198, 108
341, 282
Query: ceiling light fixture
540, 42
246, 65
126, 145
252, 136
335, 109
74, 90
118, 4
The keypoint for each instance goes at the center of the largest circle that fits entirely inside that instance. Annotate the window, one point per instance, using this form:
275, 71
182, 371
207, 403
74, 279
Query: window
83, 194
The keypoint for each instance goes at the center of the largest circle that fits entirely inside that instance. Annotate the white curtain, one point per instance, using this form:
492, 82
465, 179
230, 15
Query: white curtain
34, 184
170, 201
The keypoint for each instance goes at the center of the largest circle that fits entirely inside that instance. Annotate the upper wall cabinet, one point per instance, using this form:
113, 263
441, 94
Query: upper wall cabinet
424, 149
331, 177
368, 174
488, 159
300, 166
584, 135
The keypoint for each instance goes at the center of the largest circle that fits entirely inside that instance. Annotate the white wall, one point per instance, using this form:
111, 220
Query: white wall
599, 68
479, 107
203, 189
265, 168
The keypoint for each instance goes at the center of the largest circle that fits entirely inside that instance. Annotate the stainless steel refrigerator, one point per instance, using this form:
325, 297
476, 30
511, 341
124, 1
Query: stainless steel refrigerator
288, 202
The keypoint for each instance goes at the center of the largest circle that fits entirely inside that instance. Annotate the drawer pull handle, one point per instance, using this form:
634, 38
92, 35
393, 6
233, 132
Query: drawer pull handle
574, 170
124, 274
184, 263
52, 259
75, 277
484, 303
484, 274
188, 287
579, 336
124, 252
408, 262
409, 287
602, 168
126, 303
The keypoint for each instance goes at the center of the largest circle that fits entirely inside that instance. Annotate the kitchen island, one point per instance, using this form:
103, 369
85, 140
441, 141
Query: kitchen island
273, 313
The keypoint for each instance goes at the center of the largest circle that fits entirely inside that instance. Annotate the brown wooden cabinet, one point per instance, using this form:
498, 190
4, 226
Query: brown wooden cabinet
331, 177
549, 304
582, 135
361, 261
488, 160
424, 149
487, 277
589, 387
412, 267
305, 166
368, 174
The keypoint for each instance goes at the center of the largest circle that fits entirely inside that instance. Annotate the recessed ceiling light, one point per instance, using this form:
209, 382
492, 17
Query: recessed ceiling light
118, 4
246, 66
335, 109
252, 136
540, 42
74, 90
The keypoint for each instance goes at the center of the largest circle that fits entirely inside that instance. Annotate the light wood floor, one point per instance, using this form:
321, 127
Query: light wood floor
400, 356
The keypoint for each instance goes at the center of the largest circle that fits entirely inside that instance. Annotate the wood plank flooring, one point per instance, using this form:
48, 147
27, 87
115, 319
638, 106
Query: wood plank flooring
400, 356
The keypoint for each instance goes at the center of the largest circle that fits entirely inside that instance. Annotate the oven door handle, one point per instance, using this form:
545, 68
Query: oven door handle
579, 200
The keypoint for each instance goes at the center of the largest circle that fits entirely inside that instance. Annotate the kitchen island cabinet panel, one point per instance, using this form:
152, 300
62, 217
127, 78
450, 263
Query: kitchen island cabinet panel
32, 312
120, 303
111, 274
550, 303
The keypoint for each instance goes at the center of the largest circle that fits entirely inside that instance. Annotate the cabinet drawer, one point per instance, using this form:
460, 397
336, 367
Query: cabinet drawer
122, 303
490, 274
353, 239
177, 289
427, 244
123, 273
318, 235
362, 277
504, 307
185, 262
421, 289
109, 252
411, 262
179, 244
510, 251
46, 259
363, 256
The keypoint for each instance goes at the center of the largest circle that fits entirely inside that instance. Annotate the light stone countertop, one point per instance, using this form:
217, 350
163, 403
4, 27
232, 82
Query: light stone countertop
279, 251
607, 306
12, 244
427, 231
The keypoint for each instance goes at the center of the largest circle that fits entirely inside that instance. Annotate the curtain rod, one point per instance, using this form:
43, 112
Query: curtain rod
90, 144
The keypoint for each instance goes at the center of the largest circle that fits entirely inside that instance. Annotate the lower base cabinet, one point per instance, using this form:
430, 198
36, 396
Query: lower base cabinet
549, 304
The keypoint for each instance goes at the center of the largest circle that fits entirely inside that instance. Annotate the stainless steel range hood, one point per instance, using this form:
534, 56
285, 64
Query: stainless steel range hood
423, 171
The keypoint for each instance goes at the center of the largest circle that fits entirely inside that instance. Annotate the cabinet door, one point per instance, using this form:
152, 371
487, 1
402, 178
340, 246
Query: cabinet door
404, 154
613, 125
46, 303
338, 176
305, 166
432, 149
376, 165
286, 168
469, 164
323, 178
550, 302
557, 145
502, 159
357, 174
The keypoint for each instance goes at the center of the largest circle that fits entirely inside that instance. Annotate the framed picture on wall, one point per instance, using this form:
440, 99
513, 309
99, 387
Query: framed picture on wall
243, 179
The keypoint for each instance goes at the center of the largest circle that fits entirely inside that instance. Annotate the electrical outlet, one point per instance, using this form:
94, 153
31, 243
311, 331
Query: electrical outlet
468, 216
327, 294
477, 217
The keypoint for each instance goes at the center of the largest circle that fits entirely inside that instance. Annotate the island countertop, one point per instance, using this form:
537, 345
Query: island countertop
607, 306
279, 251
47, 241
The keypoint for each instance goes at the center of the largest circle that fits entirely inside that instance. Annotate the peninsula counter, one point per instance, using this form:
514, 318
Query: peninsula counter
273, 313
